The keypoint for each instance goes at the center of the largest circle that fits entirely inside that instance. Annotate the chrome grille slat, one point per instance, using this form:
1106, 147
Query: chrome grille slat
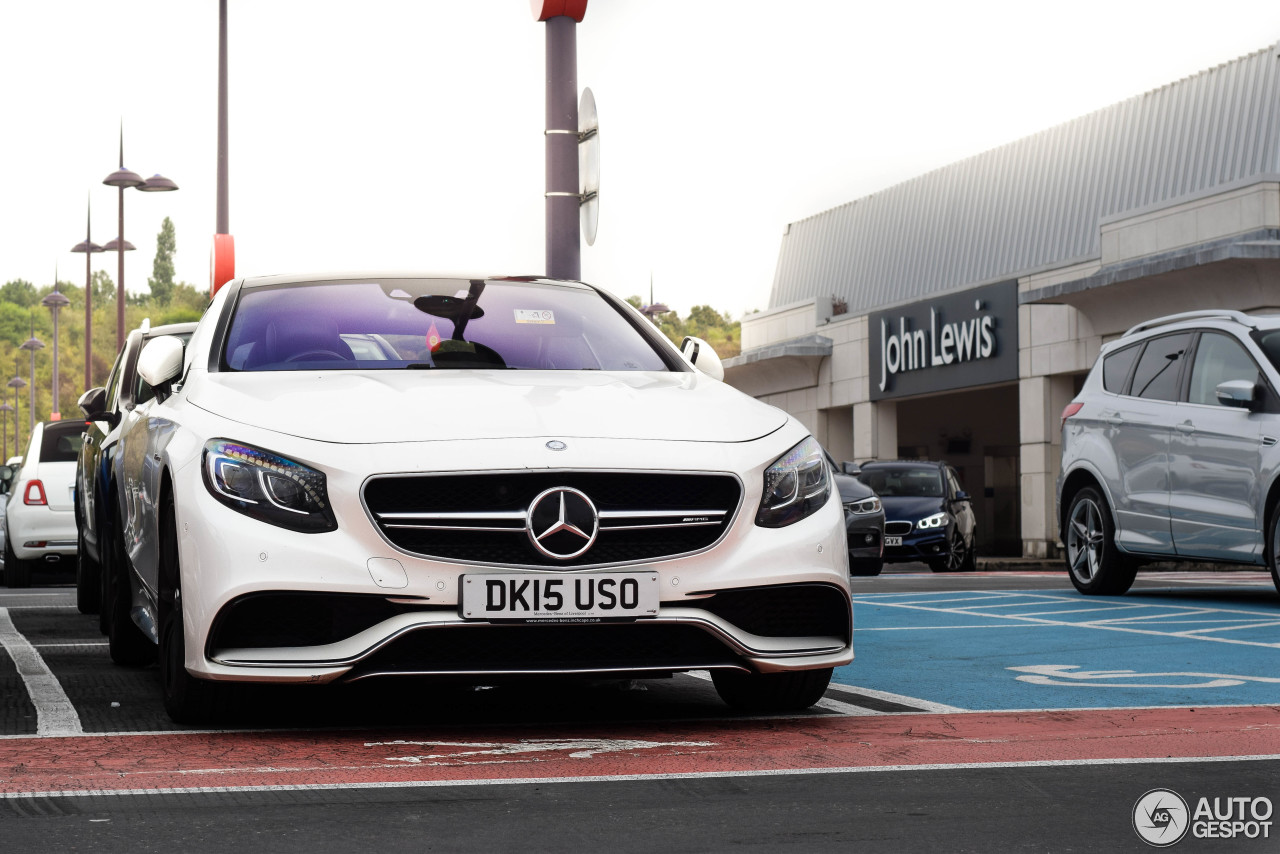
641, 516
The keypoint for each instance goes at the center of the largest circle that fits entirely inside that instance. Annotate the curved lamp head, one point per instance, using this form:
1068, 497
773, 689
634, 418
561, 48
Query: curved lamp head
87, 246
113, 245
157, 184
123, 177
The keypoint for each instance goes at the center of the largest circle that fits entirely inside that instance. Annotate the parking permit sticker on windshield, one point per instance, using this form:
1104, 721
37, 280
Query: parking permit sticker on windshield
534, 315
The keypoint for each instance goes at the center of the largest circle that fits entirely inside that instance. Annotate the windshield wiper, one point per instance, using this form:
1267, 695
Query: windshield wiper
420, 366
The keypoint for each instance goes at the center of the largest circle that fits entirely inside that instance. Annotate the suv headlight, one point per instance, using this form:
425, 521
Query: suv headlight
267, 487
864, 507
795, 486
937, 520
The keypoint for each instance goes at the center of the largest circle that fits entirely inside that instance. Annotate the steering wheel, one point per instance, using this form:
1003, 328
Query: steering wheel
316, 355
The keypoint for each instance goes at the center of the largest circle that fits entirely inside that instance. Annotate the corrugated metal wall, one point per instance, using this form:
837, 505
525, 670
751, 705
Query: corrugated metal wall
1038, 201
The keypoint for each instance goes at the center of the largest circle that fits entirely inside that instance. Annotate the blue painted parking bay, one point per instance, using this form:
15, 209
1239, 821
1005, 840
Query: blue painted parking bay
1055, 649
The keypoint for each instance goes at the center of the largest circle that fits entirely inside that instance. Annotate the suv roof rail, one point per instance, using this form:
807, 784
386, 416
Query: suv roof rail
1218, 313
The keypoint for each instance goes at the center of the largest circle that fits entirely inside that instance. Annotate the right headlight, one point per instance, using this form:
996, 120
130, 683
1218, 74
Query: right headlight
937, 520
795, 486
268, 487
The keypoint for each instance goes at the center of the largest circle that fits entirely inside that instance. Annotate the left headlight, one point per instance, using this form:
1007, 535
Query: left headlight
864, 507
267, 487
937, 520
795, 486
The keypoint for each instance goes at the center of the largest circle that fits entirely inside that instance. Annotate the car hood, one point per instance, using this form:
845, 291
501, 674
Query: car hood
360, 407
902, 508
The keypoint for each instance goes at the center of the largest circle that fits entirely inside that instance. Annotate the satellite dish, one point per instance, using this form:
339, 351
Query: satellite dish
589, 165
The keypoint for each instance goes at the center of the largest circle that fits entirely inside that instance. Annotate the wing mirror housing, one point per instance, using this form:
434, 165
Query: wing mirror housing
1239, 393
93, 403
703, 357
160, 362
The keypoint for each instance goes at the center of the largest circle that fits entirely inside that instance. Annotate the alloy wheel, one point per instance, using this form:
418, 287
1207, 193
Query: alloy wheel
1086, 537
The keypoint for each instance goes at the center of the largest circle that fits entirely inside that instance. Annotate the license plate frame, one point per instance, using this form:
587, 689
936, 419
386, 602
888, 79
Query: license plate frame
892, 541
545, 597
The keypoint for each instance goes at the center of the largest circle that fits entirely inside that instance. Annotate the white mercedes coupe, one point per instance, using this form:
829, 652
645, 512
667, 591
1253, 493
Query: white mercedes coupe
384, 476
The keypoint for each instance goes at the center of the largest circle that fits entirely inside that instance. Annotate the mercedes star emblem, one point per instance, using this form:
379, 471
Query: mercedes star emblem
562, 523
556, 445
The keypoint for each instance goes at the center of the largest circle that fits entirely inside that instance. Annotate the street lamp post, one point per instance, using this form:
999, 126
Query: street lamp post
15, 384
31, 345
4, 428
88, 247
122, 178
55, 302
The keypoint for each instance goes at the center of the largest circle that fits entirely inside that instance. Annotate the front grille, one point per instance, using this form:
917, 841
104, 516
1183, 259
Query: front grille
480, 518
795, 610
897, 529
536, 648
283, 619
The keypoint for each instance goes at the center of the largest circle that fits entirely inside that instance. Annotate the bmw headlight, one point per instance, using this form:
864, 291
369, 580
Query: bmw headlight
267, 487
795, 486
937, 520
864, 507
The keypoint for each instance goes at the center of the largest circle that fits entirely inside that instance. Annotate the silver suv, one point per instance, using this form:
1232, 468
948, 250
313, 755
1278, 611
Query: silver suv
1170, 452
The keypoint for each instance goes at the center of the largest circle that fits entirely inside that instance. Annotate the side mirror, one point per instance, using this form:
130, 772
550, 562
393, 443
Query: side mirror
850, 468
702, 357
160, 362
1239, 393
961, 495
93, 403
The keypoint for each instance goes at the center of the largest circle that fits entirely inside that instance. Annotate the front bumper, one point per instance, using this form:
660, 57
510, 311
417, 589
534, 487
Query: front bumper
918, 546
409, 619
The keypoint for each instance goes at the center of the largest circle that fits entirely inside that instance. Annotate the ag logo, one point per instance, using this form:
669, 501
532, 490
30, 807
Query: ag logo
1161, 818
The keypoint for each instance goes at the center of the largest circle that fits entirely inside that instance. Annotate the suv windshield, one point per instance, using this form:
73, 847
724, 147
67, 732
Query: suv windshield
914, 481
433, 323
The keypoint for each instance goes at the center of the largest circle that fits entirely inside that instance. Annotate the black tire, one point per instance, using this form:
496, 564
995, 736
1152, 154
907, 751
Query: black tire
1096, 566
187, 700
1273, 546
88, 579
957, 557
17, 572
771, 692
865, 566
129, 646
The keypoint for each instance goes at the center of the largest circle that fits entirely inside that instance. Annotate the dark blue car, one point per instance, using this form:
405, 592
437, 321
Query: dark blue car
928, 517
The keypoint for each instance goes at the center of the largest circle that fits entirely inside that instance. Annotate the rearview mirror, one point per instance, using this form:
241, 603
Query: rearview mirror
93, 403
703, 357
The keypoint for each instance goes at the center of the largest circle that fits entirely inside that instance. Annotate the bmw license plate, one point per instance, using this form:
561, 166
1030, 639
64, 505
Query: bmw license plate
559, 598
893, 541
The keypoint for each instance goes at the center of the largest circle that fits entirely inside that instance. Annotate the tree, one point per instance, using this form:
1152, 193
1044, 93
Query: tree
19, 292
719, 330
161, 281
104, 289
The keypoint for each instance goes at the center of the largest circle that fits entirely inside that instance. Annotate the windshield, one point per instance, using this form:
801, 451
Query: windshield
433, 323
1269, 341
904, 480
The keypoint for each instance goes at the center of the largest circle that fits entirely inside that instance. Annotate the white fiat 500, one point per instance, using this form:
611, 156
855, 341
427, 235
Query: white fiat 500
378, 476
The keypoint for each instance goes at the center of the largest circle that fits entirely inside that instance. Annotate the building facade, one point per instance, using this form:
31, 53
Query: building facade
955, 315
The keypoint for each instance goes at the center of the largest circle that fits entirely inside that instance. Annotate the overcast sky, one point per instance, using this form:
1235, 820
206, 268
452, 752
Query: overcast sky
407, 134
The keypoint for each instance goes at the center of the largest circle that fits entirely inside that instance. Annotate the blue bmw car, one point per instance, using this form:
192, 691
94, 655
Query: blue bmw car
928, 517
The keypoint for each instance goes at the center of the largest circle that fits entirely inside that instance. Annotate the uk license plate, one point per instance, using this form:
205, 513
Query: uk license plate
558, 598
893, 541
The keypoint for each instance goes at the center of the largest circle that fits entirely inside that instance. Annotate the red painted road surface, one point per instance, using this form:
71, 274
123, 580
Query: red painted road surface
256, 759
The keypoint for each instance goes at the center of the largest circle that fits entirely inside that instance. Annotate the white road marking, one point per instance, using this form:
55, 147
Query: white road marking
615, 778
55, 716
1118, 624
581, 748
1070, 674
900, 699
846, 709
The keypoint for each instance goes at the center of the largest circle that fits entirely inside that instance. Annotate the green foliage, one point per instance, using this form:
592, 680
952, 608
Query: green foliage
104, 287
161, 281
19, 292
722, 332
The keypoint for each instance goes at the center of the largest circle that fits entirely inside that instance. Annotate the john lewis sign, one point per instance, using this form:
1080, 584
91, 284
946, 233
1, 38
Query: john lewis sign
949, 342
